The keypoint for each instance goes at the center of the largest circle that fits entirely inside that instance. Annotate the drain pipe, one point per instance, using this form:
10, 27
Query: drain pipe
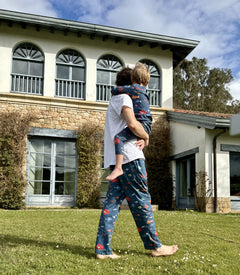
215, 167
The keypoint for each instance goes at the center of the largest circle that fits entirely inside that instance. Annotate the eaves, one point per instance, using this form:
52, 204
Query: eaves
180, 47
200, 121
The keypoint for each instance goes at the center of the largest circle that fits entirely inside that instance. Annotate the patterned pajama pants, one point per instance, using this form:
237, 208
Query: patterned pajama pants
132, 185
125, 135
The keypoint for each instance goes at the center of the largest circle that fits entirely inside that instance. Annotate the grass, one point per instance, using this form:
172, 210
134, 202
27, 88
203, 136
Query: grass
62, 242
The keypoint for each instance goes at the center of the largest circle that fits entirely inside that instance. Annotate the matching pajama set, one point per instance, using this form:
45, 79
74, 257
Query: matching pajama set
132, 185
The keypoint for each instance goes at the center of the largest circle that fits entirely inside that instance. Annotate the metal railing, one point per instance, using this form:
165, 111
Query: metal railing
27, 84
70, 88
154, 97
104, 92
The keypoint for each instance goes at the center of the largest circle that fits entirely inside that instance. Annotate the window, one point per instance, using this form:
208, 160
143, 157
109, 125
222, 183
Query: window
153, 87
52, 170
27, 69
107, 68
70, 80
234, 174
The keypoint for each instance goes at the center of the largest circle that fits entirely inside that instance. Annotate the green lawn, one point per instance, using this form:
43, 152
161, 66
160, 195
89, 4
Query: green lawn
62, 242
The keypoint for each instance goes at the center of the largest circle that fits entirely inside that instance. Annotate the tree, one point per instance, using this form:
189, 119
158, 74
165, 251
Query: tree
196, 87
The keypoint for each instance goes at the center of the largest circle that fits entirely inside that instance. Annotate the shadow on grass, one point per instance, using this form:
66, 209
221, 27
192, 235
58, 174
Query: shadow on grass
86, 252
11, 240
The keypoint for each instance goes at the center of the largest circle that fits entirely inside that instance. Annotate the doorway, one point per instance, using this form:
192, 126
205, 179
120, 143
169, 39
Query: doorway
235, 180
186, 182
52, 172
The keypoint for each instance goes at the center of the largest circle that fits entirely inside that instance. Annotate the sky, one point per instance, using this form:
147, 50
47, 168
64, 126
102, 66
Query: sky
215, 23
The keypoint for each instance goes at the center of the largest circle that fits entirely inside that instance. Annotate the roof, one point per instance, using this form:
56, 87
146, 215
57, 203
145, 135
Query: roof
200, 119
180, 47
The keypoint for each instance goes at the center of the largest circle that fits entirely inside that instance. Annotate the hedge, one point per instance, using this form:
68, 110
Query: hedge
158, 164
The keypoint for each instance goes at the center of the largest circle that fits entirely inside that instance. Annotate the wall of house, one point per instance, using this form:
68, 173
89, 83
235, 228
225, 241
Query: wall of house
223, 166
187, 137
91, 50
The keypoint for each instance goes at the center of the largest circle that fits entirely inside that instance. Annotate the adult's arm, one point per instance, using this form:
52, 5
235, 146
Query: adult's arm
134, 125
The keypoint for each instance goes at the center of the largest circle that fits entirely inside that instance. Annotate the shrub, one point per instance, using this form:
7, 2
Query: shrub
158, 164
89, 143
203, 191
13, 131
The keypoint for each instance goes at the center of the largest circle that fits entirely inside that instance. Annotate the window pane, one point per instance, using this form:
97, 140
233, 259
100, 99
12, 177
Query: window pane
36, 69
64, 188
20, 67
66, 161
42, 160
234, 174
65, 174
37, 173
39, 188
103, 77
63, 147
40, 146
113, 77
153, 83
62, 71
77, 73
183, 179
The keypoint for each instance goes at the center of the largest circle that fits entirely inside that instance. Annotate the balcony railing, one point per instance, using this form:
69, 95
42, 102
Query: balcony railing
104, 92
154, 97
70, 88
27, 84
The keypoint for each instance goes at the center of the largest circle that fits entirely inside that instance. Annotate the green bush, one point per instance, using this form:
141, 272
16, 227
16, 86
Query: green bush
89, 143
13, 131
158, 165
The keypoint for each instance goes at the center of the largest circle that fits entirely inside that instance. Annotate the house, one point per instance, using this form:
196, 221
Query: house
203, 143
64, 71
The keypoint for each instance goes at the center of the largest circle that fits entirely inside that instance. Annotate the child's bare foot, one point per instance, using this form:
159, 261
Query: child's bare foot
111, 256
115, 173
164, 250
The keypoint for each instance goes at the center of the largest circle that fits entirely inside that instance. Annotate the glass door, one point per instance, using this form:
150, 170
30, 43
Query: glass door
52, 170
235, 180
186, 182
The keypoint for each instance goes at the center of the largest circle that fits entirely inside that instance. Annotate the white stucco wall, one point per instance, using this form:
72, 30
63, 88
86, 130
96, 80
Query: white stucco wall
186, 137
91, 50
223, 161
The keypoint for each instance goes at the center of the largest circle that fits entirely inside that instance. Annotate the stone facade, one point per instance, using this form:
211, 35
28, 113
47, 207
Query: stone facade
223, 205
59, 113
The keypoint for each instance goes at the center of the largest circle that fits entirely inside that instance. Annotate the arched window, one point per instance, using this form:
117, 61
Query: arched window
27, 69
107, 68
154, 85
70, 80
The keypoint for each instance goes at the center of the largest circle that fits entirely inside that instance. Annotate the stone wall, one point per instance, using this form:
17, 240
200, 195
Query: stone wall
223, 205
59, 113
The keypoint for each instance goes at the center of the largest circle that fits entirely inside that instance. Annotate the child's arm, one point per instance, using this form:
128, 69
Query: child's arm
118, 90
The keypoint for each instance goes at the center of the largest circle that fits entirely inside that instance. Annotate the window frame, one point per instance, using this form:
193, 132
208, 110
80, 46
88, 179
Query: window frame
27, 83
111, 64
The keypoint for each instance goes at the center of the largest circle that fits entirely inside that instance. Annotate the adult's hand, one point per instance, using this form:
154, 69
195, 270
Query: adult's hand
141, 143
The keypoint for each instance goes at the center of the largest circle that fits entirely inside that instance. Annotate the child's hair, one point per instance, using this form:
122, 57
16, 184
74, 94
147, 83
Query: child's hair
124, 77
140, 74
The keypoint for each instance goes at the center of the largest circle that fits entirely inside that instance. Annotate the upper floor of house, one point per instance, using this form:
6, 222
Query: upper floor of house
49, 57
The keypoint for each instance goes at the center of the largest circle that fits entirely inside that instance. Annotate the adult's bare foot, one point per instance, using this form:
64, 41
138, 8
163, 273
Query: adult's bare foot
164, 250
115, 173
111, 256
